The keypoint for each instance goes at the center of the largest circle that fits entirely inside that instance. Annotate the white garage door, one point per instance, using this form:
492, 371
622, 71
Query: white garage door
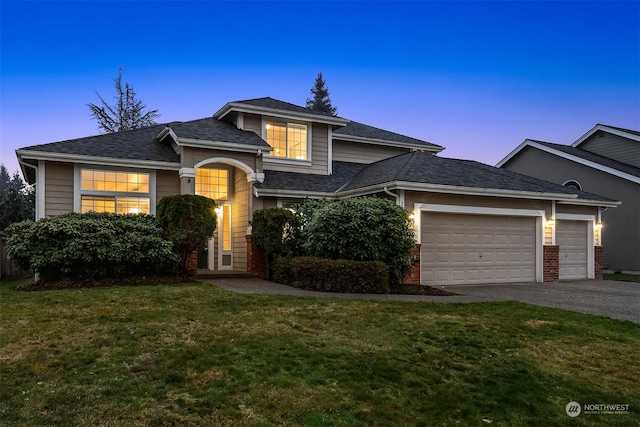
572, 238
458, 249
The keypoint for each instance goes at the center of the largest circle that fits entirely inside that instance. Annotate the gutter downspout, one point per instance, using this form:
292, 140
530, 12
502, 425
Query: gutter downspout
386, 190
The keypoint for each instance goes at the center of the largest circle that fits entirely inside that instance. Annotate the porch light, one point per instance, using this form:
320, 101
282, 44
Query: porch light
550, 222
598, 226
218, 210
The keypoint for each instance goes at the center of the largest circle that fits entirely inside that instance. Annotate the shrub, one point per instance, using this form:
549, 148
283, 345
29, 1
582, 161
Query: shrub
188, 221
274, 230
360, 229
91, 245
327, 275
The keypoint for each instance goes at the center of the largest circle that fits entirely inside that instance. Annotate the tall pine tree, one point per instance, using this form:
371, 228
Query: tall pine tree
17, 200
127, 113
320, 101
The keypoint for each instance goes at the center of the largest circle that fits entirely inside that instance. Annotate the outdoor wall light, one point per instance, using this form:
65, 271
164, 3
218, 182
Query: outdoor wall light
550, 222
598, 225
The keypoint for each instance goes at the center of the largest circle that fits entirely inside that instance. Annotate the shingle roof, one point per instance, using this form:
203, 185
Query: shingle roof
596, 158
365, 131
211, 129
129, 145
268, 102
351, 129
293, 181
424, 168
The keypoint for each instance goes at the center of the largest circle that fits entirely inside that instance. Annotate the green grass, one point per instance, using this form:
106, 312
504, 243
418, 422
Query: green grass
623, 277
193, 354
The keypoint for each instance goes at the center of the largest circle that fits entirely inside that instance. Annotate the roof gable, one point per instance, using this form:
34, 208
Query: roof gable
625, 133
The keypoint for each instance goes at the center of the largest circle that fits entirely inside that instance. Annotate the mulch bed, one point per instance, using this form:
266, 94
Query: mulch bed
102, 283
167, 280
419, 290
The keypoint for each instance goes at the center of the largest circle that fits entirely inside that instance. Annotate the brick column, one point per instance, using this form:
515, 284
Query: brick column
598, 254
551, 263
413, 276
192, 263
256, 259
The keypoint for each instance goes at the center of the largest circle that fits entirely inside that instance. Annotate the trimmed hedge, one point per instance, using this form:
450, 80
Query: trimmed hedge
328, 275
91, 245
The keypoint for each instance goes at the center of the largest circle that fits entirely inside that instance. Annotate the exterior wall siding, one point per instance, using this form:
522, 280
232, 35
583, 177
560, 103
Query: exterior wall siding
355, 152
167, 184
240, 221
621, 228
614, 147
192, 156
253, 123
59, 188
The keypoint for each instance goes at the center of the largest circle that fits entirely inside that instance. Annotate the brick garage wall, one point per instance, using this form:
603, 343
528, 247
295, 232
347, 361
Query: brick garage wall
551, 263
256, 260
413, 277
598, 254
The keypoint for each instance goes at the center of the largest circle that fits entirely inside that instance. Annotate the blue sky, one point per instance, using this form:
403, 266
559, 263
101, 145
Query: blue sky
476, 77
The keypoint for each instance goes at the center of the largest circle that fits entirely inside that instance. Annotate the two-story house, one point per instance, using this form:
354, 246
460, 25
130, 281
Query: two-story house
474, 223
605, 160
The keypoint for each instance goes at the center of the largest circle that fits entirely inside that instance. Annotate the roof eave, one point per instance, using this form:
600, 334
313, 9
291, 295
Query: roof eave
95, 160
276, 192
244, 108
434, 148
231, 146
473, 191
607, 129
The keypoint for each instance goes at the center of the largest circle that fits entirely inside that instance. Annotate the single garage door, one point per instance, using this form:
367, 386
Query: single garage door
460, 248
572, 238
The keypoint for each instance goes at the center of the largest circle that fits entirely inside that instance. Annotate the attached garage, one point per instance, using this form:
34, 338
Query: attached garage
572, 237
459, 248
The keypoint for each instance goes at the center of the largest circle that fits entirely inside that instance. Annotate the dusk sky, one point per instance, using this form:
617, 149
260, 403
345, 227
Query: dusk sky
475, 77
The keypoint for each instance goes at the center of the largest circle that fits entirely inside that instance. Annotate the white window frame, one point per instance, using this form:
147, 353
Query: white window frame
78, 192
288, 160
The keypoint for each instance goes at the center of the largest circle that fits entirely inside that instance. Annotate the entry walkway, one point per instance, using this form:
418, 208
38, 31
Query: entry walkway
618, 300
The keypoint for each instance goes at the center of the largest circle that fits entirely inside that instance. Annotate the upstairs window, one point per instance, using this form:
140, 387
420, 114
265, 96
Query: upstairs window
114, 191
289, 140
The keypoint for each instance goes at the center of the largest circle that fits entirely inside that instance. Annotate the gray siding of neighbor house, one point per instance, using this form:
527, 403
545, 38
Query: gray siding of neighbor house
621, 226
58, 188
167, 184
355, 152
614, 147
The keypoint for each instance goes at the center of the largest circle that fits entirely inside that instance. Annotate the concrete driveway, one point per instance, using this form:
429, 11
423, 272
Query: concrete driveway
618, 300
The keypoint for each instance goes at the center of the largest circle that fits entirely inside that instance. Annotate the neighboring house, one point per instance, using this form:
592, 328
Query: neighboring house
605, 160
474, 223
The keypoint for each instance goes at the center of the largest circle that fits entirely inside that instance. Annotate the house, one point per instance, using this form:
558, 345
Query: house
605, 160
474, 223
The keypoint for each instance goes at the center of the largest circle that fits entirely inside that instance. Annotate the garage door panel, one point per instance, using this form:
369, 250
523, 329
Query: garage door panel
460, 248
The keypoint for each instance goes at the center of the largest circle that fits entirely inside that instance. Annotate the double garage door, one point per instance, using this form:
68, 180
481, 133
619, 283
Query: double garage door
460, 249
466, 249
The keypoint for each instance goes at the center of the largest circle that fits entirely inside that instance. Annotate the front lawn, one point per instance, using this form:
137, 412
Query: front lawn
623, 277
193, 354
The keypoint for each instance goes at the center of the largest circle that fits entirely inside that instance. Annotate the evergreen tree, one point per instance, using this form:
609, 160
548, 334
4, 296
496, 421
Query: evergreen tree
320, 101
17, 200
127, 113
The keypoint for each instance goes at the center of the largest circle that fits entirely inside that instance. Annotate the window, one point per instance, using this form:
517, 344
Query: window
212, 183
289, 140
114, 191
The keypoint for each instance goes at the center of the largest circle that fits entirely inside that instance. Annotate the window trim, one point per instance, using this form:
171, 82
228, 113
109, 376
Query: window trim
78, 192
287, 160
229, 181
